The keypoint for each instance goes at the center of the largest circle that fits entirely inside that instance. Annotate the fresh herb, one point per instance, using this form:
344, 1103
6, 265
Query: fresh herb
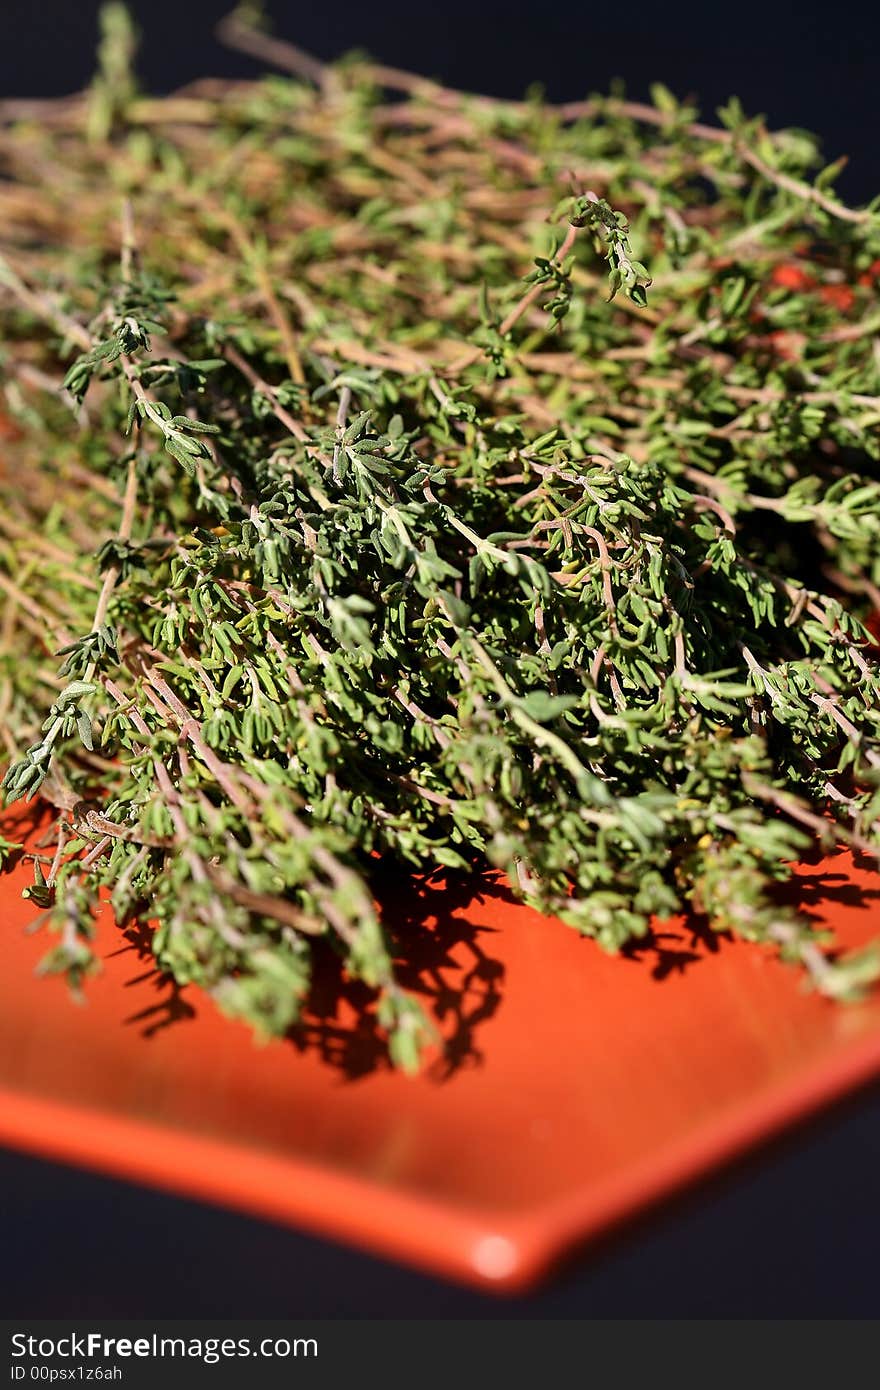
439, 481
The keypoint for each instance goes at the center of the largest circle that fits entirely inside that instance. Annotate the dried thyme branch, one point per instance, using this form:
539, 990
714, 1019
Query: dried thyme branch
386, 529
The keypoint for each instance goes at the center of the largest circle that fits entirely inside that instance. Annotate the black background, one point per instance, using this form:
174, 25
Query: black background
793, 1232
812, 65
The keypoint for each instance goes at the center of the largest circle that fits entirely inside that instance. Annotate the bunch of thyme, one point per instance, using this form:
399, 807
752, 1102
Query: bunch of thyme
395, 474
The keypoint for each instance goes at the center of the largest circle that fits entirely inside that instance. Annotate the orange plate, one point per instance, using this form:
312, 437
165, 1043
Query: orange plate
576, 1087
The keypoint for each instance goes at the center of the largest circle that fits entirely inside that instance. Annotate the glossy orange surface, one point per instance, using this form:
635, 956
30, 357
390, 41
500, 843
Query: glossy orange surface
575, 1086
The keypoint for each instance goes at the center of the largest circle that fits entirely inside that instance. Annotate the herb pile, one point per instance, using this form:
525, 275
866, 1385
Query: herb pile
397, 475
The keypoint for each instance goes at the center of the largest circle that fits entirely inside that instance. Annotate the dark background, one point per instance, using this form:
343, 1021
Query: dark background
793, 1232
811, 65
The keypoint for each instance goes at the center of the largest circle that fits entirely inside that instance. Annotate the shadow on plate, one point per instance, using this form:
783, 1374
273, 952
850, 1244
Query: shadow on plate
445, 959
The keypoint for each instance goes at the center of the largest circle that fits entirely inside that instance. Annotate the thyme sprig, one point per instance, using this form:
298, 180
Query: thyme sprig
441, 481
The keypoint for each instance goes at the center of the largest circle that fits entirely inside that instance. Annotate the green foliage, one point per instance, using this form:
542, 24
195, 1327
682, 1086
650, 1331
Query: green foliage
612, 227
338, 543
